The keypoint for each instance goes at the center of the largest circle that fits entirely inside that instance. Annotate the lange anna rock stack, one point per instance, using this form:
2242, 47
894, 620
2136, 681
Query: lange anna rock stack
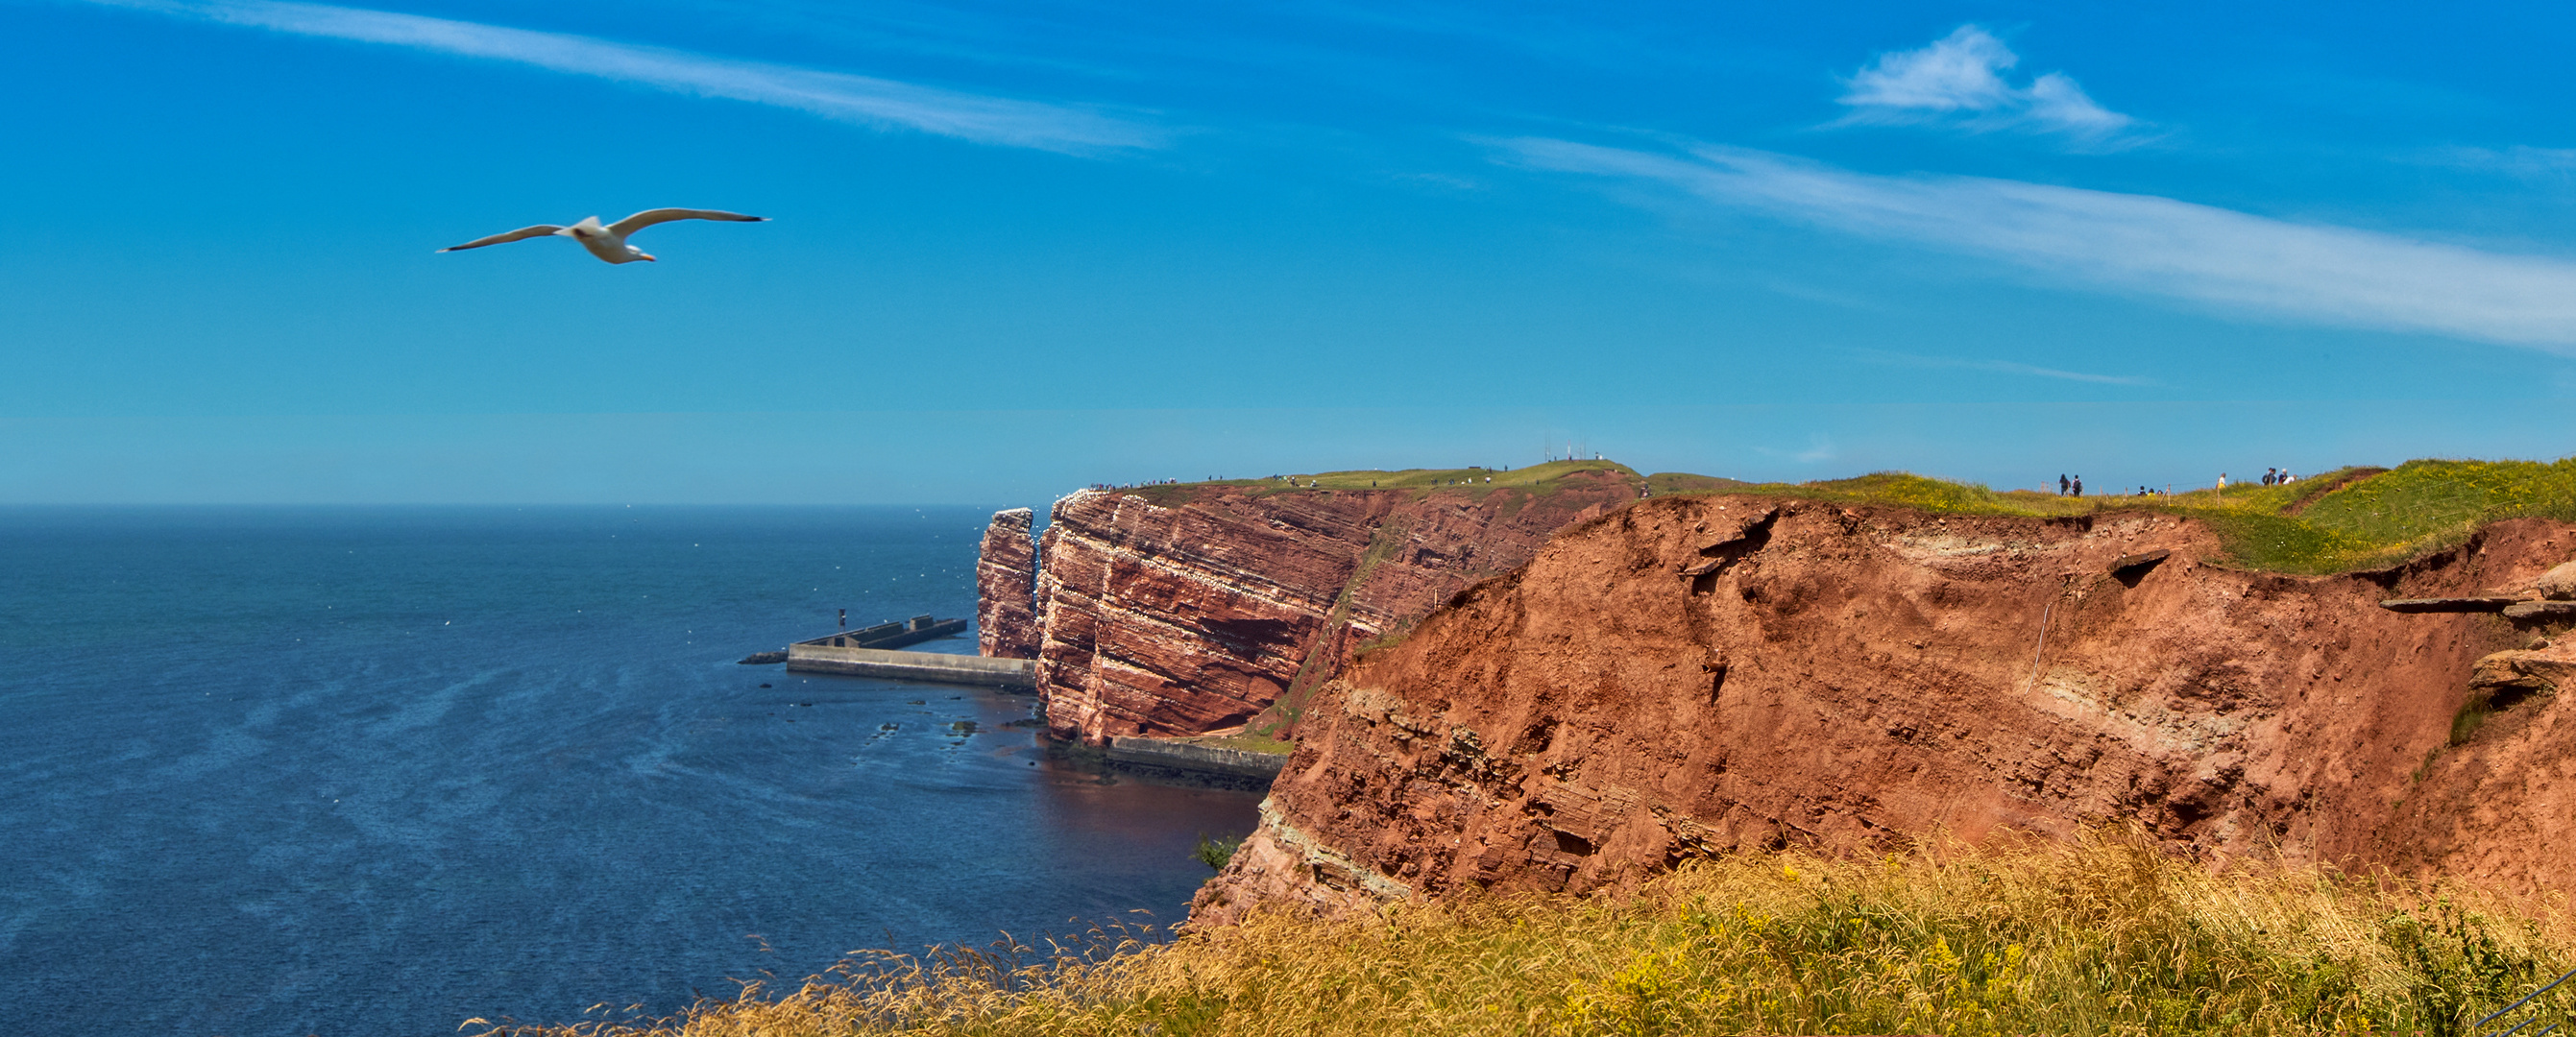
1186, 609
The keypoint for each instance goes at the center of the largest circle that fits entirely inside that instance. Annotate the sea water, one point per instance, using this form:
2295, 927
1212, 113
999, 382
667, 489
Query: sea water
376, 771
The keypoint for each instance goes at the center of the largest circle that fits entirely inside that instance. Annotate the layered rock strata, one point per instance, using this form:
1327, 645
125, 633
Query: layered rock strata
1697, 675
1006, 575
1193, 609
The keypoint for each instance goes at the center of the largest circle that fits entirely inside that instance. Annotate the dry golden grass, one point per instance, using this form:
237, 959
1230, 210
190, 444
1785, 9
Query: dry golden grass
2104, 937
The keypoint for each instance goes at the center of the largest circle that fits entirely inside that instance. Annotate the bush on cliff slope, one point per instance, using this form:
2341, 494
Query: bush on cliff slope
2105, 937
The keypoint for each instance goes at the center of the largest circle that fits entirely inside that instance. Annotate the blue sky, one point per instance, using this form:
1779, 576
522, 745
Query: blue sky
1016, 248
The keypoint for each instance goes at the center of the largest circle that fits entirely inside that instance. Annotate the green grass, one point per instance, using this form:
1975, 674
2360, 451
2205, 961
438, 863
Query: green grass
1926, 494
1685, 482
2428, 498
2108, 936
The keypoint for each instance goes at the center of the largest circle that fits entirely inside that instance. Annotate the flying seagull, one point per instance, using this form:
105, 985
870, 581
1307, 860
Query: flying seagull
607, 242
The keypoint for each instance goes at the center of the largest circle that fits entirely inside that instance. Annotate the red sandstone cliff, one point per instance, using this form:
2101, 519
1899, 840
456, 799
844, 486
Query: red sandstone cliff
1693, 675
1006, 575
1187, 609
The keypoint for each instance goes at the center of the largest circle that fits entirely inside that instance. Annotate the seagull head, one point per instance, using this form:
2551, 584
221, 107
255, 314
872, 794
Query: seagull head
641, 254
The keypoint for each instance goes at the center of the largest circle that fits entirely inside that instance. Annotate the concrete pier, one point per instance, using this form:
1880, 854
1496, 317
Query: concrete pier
1016, 674
1192, 757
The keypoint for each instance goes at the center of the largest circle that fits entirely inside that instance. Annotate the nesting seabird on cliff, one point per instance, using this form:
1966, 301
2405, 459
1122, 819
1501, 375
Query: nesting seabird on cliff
608, 241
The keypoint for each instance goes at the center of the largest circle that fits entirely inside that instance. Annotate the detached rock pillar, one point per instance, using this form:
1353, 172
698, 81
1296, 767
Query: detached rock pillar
1006, 583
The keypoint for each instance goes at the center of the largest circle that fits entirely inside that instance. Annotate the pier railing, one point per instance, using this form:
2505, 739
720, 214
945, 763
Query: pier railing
890, 635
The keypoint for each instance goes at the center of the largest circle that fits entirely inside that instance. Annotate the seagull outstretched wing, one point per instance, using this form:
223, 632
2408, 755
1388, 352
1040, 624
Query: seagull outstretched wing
521, 234
649, 217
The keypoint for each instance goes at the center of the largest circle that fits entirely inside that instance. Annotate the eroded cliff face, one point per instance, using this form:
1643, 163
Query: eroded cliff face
1695, 675
1006, 575
1193, 609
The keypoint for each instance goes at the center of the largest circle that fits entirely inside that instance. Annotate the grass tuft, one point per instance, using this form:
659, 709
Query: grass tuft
2107, 936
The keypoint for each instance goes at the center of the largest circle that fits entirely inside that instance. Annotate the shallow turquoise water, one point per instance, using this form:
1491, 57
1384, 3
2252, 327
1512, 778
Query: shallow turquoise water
376, 771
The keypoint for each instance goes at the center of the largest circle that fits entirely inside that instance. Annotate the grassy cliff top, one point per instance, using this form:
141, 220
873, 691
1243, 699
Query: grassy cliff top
1539, 479
2338, 521
1527, 477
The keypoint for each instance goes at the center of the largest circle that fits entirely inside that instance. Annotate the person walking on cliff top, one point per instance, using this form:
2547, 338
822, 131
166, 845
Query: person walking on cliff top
2061, 484
2079, 486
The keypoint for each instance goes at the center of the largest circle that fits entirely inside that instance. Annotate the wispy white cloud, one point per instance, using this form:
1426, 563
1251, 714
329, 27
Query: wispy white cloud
861, 100
1959, 80
1820, 447
2518, 160
2140, 243
1998, 366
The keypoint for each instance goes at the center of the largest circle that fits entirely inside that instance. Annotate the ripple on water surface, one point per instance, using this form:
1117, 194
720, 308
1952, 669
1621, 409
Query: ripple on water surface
376, 771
